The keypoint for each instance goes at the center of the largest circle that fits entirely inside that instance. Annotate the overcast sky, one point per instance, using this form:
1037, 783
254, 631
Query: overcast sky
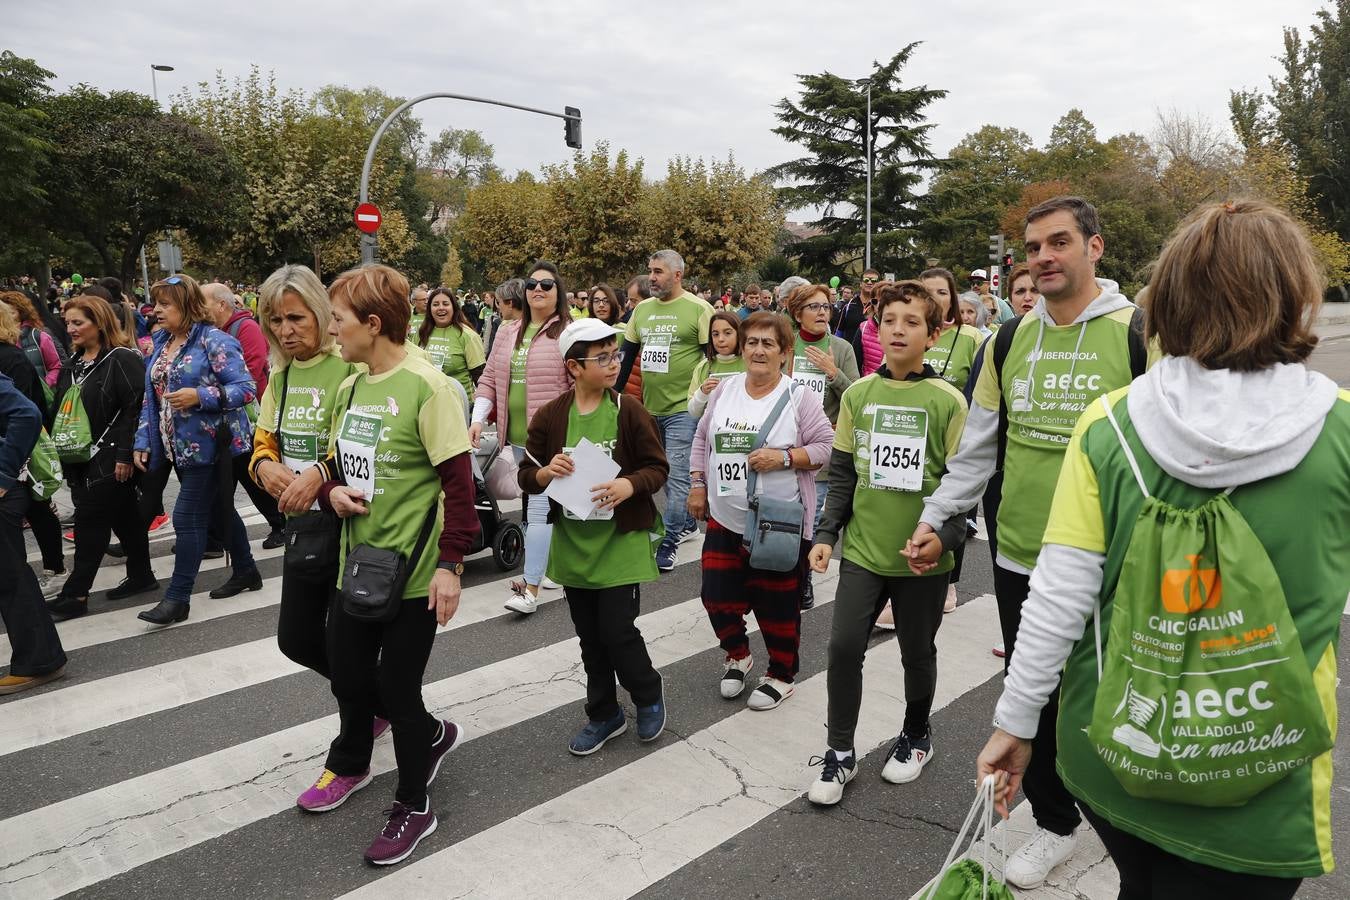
695, 77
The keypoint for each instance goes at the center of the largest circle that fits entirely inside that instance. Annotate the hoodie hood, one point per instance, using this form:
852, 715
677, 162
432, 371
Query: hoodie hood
1108, 301
1217, 428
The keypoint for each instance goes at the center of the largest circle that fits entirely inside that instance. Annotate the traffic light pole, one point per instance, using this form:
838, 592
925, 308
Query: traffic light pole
570, 115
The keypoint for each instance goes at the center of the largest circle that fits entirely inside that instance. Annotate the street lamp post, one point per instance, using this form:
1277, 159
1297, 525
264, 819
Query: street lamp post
154, 87
867, 213
570, 115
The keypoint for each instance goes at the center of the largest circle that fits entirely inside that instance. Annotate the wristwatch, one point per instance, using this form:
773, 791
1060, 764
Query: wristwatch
787, 459
456, 568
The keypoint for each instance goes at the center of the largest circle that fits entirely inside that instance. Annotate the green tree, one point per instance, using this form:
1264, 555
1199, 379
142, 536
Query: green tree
714, 215
594, 219
122, 171
830, 121
24, 149
502, 228
452, 276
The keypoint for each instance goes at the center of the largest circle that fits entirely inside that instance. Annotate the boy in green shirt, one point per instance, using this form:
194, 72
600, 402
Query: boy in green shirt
603, 598
896, 429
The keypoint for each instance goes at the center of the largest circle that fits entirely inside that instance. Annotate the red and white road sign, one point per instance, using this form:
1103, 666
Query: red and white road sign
367, 217
993, 278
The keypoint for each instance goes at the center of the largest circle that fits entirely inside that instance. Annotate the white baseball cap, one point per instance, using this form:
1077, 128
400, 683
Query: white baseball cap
980, 273
585, 331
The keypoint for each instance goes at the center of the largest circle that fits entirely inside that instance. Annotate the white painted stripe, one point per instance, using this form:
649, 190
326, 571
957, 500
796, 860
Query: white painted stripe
644, 821
59, 714
86, 839
366, 217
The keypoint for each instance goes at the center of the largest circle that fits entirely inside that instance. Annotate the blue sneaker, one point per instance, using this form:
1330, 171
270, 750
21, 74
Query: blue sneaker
651, 720
689, 531
593, 736
665, 556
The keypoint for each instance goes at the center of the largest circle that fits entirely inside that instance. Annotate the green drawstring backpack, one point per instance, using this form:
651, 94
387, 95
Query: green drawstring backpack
1206, 697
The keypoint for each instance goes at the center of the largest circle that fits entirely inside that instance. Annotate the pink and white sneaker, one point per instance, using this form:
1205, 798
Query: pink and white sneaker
331, 791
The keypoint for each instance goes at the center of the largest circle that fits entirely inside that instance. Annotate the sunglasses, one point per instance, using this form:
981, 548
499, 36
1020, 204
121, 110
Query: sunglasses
543, 284
174, 280
867, 280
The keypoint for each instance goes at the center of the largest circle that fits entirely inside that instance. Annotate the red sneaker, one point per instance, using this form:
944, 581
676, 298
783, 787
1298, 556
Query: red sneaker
158, 522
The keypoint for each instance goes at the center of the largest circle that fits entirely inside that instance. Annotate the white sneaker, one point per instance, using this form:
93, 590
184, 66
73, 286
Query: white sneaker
51, 583
1031, 864
548, 584
522, 601
907, 758
886, 619
769, 695
999, 651
734, 675
828, 789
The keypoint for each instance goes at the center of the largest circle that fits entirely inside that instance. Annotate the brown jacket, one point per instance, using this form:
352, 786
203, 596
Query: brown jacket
639, 453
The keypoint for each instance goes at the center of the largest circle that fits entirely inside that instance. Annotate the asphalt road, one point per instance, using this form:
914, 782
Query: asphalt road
166, 762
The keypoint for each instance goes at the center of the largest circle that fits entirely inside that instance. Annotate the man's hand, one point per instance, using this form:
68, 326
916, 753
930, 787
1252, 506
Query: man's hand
301, 491
610, 494
347, 502
444, 595
820, 557
183, 399
922, 550
1006, 758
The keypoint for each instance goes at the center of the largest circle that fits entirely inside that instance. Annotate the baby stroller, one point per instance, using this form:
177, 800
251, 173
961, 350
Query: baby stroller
506, 538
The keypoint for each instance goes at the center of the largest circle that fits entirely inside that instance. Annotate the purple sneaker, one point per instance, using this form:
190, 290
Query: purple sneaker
447, 739
331, 791
380, 727
401, 835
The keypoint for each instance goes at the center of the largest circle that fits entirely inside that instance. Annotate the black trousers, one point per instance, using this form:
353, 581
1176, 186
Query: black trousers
35, 647
101, 510
46, 527
917, 606
1151, 873
1051, 803
264, 502
381, 665
612, 647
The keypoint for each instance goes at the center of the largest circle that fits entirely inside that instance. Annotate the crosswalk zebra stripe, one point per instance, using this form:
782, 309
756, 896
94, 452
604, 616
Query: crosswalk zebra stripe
83, 840
644, 821
54, 715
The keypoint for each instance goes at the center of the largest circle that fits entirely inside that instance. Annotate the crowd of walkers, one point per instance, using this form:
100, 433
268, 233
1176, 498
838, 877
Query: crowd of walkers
1136, 463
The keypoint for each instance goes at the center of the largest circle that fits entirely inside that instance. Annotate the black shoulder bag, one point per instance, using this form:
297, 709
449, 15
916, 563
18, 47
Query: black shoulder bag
312, 537
373, 579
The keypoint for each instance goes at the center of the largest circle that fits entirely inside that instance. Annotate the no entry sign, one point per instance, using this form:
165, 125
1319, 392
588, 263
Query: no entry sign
367, 217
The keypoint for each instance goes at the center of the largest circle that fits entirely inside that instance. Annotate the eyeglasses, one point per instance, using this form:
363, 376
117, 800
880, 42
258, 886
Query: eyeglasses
604, 359
815, 307
543, 284
870, 280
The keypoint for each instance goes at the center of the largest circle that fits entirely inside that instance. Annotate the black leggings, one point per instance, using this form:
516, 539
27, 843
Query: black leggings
46, 528
1151, 873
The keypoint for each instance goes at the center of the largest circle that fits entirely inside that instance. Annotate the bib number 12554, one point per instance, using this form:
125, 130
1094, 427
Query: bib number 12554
899, 442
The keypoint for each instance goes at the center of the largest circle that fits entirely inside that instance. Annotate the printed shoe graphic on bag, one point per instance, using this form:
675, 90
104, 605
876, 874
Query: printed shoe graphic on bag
1141, 711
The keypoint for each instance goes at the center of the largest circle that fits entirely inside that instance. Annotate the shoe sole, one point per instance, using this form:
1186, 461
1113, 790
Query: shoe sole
847, 779
613, 734
37, 681
915, 777
370, 776
516, 609
436, 766
884, 626
409, 852
776, 704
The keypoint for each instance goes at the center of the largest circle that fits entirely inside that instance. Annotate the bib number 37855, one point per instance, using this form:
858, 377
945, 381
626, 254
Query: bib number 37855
899, 442
656, 353
356, 451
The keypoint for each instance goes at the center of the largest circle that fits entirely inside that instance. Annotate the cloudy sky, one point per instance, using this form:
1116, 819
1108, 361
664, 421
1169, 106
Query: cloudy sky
696, 77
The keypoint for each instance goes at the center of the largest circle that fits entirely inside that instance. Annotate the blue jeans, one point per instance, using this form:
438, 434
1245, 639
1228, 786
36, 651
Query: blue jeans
191, 516
822, 491
677, 434
538, 532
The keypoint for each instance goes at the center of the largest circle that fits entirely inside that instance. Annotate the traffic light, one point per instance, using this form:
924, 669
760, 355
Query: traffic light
996, 248
572, 127
1007, 261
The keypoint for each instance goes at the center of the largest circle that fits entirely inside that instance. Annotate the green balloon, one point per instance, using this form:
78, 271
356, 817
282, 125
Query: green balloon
834, 282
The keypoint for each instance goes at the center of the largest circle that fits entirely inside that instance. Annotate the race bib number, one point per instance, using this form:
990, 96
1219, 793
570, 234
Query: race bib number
806, 373
899, 441
299, 452
731, 461
656, 353
356, 451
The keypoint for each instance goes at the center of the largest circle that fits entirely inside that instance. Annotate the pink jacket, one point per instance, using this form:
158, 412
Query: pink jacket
873, 356
815, 435
545, 375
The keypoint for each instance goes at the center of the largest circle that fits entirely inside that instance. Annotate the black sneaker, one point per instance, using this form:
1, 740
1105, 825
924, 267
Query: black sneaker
274, 540
208, 553
115, 551
129, 588
808, 595
63, 608
247, 581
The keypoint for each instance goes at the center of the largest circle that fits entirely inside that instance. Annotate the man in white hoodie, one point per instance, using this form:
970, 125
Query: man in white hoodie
1074, 346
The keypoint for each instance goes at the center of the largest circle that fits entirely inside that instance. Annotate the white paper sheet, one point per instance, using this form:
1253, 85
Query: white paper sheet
591, 467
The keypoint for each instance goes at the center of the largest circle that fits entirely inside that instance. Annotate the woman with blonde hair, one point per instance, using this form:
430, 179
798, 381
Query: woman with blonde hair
1225, 465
